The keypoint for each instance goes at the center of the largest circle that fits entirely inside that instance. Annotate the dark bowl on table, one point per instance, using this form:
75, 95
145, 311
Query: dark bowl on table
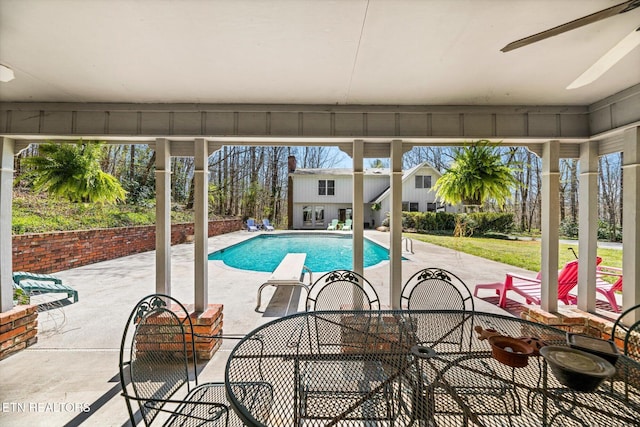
510, 351
577, 369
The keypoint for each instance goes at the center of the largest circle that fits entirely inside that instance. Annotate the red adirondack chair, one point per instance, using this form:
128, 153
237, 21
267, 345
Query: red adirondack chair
609, 289
531, 287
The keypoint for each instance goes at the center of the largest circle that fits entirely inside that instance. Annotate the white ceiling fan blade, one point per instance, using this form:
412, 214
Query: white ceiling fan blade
608, 60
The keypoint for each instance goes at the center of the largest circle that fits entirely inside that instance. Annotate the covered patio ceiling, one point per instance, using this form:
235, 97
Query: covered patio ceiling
375, 52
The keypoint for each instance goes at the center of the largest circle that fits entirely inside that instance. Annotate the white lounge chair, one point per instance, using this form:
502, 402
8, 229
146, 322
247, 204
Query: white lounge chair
333, 225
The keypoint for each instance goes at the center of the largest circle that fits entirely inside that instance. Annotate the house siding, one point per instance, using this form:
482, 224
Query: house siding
420, 195
306, 188
305, 193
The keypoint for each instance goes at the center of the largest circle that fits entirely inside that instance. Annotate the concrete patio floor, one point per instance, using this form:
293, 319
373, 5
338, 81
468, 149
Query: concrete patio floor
70, 377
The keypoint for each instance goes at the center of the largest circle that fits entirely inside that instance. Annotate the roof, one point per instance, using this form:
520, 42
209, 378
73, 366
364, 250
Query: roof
339, 171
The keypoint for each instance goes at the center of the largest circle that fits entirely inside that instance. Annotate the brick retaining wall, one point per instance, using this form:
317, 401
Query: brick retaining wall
51, 252
571, 319
18, 329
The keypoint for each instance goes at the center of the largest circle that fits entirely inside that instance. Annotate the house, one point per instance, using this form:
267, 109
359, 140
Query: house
316, 196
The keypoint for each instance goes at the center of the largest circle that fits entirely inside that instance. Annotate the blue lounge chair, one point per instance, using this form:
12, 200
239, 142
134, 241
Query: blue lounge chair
251, 225
266, 225
34, 283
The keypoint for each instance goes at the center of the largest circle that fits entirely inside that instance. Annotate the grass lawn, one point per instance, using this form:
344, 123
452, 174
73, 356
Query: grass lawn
519, 253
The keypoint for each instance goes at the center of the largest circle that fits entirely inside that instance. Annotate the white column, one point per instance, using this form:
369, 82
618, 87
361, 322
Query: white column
631, 221
550, 223
7, 151
163, 216
395, 266
588, 226
201, 223
358, 207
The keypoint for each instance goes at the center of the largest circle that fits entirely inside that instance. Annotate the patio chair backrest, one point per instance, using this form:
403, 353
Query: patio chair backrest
630, 332
567, 279
155, 353
436, 289
342, 290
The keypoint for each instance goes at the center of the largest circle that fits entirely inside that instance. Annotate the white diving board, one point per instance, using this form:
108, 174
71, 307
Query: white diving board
288, 273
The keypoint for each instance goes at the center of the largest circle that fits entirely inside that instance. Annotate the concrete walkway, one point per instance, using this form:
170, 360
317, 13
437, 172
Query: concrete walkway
70, 377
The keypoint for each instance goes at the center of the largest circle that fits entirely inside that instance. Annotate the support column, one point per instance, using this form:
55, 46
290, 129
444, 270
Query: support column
588, 226
395, 266
7, 151
201, 223
357, 210
550, 223
631, 221
163, 216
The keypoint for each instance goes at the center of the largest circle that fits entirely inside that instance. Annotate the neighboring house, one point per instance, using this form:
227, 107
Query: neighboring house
319, 195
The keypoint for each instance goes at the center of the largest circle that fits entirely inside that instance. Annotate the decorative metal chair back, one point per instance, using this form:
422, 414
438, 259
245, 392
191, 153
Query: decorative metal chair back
342, 290
159, 354
631, 331
438, 289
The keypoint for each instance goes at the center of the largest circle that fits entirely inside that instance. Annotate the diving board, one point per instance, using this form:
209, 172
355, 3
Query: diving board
290, 272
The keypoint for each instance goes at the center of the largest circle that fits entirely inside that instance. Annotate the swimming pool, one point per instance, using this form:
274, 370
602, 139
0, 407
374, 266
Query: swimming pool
325, 252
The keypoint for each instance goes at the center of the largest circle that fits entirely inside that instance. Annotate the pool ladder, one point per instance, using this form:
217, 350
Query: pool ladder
408, 244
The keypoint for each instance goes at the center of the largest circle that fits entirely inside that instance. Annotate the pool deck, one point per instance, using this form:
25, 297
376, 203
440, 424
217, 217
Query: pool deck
74, 364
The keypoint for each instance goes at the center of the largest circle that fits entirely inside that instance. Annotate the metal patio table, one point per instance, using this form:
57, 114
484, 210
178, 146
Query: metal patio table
395, 368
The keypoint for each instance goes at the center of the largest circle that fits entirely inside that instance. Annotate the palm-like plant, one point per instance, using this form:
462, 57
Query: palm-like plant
476, 175
73, 171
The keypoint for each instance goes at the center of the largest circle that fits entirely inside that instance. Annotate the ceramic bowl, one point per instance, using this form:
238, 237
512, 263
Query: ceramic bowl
577, 369
510, 351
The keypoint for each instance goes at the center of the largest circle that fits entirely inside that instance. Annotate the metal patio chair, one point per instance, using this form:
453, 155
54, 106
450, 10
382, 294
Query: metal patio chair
335, 291
158, 359
439, 289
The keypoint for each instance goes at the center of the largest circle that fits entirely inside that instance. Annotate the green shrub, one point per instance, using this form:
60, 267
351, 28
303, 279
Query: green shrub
607, 232
445, 221
569, 228
485, 222
427, 221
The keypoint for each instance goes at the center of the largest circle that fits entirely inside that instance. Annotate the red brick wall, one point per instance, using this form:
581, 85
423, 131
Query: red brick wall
18, 329
51, 252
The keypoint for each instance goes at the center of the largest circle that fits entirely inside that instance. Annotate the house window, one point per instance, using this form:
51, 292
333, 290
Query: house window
326, 187
423, 181
410, 207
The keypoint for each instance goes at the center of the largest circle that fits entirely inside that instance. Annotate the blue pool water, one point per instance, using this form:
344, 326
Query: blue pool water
325, 252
